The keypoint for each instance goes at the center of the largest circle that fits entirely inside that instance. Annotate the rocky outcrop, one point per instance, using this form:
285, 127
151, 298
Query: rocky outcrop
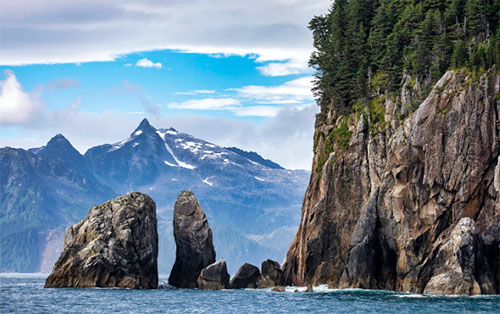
247, 277
461, 267
214, 276
388, 195
115, 246
193, 238
271, 274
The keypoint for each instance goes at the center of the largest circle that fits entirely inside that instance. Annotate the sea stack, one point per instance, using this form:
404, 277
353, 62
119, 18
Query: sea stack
193, 238
115, 246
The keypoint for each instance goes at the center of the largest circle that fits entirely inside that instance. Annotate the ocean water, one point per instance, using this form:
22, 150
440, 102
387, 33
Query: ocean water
24, 293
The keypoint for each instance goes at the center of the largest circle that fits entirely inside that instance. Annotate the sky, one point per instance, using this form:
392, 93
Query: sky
233, 73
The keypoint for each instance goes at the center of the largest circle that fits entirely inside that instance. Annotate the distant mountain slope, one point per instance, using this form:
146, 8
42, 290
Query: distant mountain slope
253, 156
244, 196
38, 194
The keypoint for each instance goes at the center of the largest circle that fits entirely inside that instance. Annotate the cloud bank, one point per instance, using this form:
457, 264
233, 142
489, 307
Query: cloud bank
60, 31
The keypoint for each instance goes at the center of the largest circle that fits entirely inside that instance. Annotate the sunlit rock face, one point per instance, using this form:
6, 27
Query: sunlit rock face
409, 205
115, 246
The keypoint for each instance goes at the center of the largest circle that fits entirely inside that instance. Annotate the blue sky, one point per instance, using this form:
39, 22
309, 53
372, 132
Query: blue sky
237, 79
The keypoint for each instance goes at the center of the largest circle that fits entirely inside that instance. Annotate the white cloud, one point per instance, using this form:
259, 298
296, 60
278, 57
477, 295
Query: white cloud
61, 31
297, 91
128, 87
256, 111
16, 105
63, 83
253, 100
146, 63
197, 92
76, 103
295, 66
207, 104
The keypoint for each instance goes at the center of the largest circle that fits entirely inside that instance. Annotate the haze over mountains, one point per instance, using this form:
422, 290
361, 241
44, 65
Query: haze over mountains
252, 203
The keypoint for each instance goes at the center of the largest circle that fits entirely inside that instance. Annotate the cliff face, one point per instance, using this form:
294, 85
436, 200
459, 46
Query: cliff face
409, 202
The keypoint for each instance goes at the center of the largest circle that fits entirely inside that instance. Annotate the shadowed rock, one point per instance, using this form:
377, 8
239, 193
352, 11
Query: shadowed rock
115, 246
214, 276
460, 265
246, 277
193, 237
272, 275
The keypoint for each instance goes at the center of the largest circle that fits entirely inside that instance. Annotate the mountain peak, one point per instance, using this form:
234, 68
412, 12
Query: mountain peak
59, 141
59, 147
144, 126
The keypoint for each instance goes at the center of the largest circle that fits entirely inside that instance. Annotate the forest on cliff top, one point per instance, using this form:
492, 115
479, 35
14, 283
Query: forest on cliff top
368, 48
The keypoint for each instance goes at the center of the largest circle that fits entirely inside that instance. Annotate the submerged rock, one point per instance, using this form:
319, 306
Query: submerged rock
115, 246
193, 237
247, 276
278, 289
214, 276
272, 275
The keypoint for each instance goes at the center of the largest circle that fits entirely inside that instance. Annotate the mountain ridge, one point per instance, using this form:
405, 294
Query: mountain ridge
236, 191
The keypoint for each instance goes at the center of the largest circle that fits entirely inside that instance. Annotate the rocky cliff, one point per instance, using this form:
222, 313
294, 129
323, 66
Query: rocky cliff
404, 195
115, 246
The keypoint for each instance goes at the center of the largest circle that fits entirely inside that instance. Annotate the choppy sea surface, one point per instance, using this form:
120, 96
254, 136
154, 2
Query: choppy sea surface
24, 293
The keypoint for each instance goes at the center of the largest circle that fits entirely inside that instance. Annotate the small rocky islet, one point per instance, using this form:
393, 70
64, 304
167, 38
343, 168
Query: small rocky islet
117, 246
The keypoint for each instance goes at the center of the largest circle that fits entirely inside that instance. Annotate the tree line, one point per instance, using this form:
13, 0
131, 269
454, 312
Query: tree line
364, 48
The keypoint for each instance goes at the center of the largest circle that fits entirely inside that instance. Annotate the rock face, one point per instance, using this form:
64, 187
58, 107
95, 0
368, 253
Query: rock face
115, 246
214, 276
193, 237
272, 275
460, 266
246, 277
411, 201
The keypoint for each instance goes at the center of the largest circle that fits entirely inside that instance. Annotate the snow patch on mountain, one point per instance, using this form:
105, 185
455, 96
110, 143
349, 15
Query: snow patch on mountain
171, 152
119, 145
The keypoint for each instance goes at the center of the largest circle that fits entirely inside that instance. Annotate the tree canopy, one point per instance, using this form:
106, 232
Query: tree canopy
363, 48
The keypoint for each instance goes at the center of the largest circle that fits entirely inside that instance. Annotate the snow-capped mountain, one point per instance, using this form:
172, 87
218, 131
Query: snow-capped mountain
246, 197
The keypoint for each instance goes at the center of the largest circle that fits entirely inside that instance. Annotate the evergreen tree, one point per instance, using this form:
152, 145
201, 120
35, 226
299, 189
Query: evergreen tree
363, 48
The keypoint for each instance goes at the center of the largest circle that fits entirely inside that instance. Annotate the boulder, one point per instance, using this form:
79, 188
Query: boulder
272, 275
214, 276
193, 238
115, 246
278, 289
247, 276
